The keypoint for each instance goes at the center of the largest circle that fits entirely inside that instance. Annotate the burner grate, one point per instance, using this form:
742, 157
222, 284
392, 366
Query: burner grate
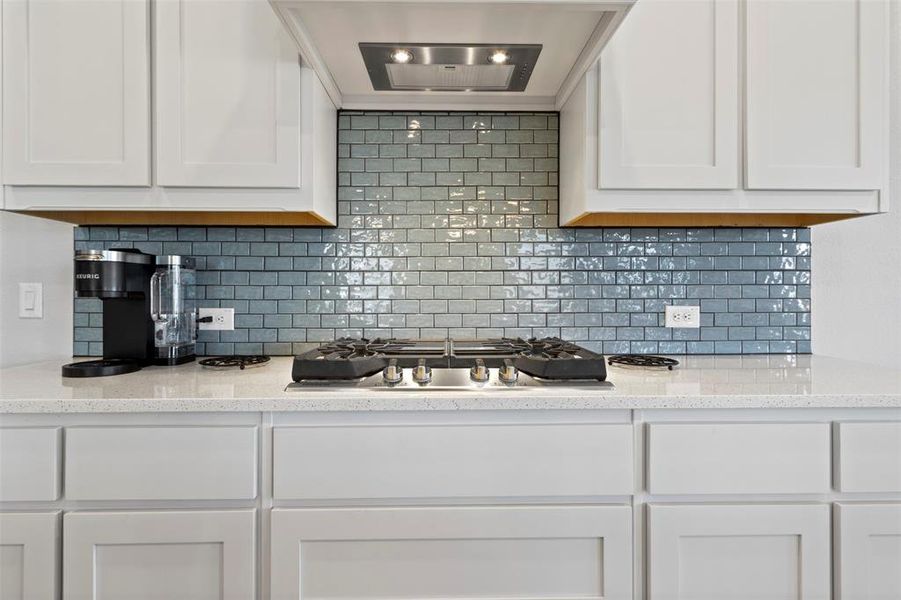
547, 358
643, 360
230, 362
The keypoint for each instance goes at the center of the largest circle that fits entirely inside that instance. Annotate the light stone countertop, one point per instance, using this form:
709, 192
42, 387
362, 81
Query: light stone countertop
771, 381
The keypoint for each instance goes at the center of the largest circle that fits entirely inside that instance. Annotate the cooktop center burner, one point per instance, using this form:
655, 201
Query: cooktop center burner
505, 361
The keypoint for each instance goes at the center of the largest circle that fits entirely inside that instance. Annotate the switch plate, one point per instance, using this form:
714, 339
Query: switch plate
31, 300
223, 319
683, 316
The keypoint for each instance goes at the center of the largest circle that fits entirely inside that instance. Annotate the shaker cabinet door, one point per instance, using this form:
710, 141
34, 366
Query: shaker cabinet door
76, 92
227, 92
201, 555
867, 551
816, 94
444, 553
737, 552
28, 555
668, 94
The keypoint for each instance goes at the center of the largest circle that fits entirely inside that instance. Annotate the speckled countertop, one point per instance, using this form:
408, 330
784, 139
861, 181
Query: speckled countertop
700, 382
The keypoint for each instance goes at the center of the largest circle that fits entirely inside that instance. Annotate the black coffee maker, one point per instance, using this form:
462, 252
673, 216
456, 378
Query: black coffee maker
123, 279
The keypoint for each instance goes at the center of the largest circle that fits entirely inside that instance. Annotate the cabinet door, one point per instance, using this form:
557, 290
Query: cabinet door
76, 92
724, 552
166, 554
867, 551
465, 552
669, 97
28, 555
816, 94
227, 91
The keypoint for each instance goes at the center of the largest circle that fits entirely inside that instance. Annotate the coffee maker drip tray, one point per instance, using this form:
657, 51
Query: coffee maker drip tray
101, 367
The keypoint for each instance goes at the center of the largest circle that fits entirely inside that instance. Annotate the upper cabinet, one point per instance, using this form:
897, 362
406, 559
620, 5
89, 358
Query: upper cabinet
669, 98
76, 101
227, 93
242, 132
655, 132
817, 94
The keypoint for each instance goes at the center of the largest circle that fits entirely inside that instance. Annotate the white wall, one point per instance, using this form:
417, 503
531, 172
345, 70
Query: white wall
35, 250
856, 306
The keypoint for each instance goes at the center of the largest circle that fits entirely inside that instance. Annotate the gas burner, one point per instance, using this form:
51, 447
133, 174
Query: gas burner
351, 348
643, 360
230, 362
354, 360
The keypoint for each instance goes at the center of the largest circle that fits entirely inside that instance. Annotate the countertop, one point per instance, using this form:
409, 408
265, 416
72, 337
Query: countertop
768, 381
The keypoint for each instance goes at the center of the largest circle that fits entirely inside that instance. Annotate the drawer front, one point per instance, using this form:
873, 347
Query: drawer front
161, 463
467, 461
459, 552
868, 457
29, 463
738, 458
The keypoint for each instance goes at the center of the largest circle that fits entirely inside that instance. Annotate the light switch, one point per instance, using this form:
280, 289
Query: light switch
31, 300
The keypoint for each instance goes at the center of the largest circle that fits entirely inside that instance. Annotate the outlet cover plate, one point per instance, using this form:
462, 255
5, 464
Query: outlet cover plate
223, 319
683, 316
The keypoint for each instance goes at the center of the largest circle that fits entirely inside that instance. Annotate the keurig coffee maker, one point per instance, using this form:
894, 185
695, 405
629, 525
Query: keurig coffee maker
149, 309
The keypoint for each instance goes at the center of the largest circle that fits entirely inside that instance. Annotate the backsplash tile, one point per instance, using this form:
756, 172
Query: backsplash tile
448, 226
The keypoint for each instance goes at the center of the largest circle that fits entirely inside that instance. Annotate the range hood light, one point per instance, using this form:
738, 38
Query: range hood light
402, 56
407, 66
499, 57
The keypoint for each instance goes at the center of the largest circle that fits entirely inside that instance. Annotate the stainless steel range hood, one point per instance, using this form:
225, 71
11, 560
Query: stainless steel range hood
546, 45
450, 67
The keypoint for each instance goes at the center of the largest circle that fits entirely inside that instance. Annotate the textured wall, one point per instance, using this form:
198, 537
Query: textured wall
448, 226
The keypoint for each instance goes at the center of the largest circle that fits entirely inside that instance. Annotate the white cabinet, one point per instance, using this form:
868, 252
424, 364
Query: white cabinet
686, 137
243, 133
867, 551
28, 555
817, 94
76, 92
161, 463
164, 554
457, 461
738, 458
867, 456
463, 552
227, 96
656, 134
738, 551
30, 460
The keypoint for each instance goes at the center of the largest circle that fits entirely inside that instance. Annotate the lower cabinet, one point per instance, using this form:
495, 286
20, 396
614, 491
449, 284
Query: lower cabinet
461, 552
738, 551
196, 555
28, 555
867, 551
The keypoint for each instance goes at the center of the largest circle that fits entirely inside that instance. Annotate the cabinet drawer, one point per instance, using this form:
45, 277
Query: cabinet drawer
467, 461
868, 457
453, 552
161, 463
29, 463
738, 458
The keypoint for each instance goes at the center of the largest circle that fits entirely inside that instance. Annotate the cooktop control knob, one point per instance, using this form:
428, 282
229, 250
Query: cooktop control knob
508, 374
392, 375
479, 373
422, 373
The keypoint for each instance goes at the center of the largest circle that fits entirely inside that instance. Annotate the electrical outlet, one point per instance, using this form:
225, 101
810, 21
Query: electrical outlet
683, 316
223, 318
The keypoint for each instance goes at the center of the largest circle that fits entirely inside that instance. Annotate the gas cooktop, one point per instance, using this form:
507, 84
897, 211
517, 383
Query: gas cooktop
501, 363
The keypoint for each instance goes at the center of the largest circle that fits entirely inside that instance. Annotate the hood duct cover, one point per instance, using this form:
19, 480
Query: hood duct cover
450, 67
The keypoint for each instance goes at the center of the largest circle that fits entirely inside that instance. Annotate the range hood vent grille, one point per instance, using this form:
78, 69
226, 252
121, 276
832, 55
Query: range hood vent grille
450, 77
450, 67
